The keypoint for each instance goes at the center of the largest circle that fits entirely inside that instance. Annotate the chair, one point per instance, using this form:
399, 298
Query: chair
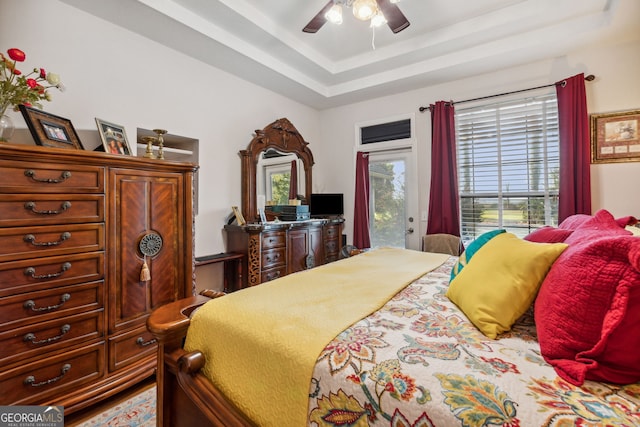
442, 243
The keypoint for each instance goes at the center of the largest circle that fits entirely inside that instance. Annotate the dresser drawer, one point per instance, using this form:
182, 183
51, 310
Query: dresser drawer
273, 273
50, 209
331, 247
23, 309
33, 340
34, 382
331, 232
273, 258
27, 177
130, 347
44, 273
273, 239
33, 242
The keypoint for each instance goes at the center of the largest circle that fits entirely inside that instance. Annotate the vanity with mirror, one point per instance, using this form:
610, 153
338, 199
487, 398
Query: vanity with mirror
276, 248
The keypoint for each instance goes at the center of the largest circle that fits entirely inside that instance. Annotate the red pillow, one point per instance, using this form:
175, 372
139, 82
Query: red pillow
587, 309
574, 221
626, 220
548, 234
602, 224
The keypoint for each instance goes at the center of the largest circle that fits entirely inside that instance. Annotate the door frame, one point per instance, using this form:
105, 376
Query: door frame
407, 148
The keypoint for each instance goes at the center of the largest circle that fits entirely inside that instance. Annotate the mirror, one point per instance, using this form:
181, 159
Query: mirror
271, 152
273, 177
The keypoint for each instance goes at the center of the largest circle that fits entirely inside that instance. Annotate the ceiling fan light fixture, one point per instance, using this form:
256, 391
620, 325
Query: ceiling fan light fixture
378, 20
365, 9
334, 15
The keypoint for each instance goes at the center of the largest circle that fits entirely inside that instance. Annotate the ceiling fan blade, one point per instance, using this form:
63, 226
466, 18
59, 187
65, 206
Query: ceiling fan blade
318, 21
395, 18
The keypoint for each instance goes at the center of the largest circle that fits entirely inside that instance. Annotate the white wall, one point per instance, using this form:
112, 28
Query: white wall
116, 75
615, 89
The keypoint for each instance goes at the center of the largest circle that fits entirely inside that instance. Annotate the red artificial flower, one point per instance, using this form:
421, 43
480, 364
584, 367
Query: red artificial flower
17, 72
43, 73
16, 54
26, 104
32, 83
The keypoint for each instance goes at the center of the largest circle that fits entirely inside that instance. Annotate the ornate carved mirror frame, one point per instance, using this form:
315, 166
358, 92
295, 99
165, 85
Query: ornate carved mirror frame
282, 136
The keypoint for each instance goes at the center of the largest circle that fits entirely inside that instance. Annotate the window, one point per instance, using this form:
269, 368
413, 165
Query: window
391, 131
508, 166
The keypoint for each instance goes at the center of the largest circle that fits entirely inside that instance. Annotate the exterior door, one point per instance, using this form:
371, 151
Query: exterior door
392, 200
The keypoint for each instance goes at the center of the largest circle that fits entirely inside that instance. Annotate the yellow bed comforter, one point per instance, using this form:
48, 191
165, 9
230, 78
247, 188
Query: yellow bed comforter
261, 344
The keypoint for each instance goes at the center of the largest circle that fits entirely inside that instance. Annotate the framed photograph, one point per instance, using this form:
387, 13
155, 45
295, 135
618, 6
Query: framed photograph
239, 217
615, 137
263, 217
114, 138
49, 130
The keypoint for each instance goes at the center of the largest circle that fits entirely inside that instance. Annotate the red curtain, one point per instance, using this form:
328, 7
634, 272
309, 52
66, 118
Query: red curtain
575, 174
293, 181
444, 206
361, 238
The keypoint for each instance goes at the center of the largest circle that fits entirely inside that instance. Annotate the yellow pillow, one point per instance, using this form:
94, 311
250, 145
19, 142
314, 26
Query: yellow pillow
502, 281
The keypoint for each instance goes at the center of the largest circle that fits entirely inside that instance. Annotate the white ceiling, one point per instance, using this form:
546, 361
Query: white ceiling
262, 40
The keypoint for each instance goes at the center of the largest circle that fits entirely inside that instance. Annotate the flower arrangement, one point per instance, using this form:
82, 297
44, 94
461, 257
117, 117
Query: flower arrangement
17, 88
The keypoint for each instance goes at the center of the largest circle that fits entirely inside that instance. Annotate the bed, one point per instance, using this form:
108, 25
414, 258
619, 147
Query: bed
432, 355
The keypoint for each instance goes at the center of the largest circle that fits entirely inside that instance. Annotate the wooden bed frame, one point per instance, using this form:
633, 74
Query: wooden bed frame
185, 396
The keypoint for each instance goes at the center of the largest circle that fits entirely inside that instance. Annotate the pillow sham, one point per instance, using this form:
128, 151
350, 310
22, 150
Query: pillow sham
548, 234
465, 257
602, 224
502, 281
574, 221
587, 309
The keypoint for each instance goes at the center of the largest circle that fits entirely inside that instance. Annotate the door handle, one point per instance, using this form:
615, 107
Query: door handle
409, 230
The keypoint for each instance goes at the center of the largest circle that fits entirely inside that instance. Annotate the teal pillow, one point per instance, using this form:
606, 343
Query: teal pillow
470, 251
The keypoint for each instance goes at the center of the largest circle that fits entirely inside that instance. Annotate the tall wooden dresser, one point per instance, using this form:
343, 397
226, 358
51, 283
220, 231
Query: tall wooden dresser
90, 243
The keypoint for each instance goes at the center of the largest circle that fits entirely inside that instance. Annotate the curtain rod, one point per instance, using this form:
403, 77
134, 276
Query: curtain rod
588, 78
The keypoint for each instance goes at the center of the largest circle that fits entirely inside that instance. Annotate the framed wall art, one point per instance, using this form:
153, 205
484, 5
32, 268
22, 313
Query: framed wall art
114, 138
49, 130
615, 137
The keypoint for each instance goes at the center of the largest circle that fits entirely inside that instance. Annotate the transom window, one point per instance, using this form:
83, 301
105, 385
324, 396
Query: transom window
508, 166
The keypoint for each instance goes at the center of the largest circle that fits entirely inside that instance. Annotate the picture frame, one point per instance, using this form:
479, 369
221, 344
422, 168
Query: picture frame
113, 137
50, 130
263, 217
239, 217
615, 137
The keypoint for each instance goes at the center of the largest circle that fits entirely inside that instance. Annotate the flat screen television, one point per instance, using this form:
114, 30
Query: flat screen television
326, 204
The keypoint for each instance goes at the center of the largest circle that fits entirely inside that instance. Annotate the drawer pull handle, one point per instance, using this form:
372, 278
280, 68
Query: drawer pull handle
31, 337
31, 305
31, 206
275, 258
63, 177
31, 272
141, 342
273, 275
31, 380
30, 238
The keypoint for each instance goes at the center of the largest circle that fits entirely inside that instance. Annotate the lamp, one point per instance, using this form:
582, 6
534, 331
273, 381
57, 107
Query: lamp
334, 15
378, 20
365, 9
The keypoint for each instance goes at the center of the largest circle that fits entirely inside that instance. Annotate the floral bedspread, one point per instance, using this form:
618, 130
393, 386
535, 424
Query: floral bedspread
419, 362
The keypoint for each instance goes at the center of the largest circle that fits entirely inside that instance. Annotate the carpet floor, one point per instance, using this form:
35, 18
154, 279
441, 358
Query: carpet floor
138, 410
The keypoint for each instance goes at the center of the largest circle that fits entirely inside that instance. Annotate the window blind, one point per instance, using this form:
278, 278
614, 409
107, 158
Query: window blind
508, 165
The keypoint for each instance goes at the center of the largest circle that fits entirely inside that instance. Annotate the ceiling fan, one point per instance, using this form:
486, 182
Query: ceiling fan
378, 11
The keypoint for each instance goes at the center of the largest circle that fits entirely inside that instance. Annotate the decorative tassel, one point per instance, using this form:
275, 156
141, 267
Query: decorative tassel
145, 274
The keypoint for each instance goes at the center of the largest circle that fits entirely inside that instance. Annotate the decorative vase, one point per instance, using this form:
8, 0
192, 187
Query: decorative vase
6, 128
6, 124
